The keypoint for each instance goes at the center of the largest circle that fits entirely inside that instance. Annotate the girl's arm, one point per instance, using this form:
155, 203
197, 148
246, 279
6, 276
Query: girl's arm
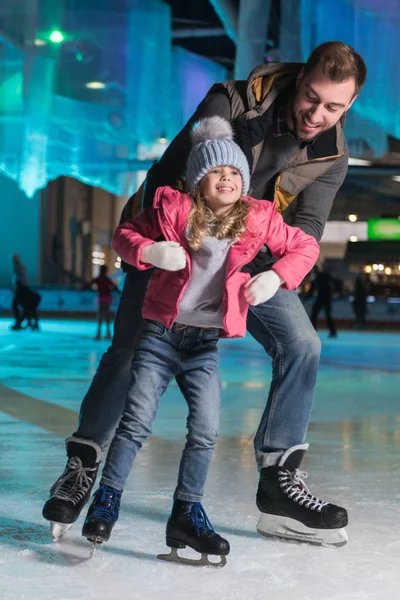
134, 241
131, 237
297, 251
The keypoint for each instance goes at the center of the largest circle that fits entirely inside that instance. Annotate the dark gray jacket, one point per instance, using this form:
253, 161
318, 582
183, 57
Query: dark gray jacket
302, 179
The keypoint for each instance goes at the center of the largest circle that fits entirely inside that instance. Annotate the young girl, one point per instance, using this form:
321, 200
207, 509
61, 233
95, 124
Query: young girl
197, 294
104, 288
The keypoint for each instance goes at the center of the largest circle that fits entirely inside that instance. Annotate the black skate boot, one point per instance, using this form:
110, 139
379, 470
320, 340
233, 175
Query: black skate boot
102, 515
71, 491
289, 510
188, 525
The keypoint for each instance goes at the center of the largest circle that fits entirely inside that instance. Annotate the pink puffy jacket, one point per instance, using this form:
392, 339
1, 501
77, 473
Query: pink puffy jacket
297, 253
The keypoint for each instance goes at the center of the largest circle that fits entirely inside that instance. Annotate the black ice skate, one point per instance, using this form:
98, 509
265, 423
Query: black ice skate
102, 515
188, 525
289, 510
71, 491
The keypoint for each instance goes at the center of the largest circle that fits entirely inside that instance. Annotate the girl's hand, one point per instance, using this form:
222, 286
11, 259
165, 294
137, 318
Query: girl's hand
262, 287
169, 256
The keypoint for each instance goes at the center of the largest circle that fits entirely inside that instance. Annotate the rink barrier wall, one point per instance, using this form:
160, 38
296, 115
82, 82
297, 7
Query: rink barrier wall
59, 302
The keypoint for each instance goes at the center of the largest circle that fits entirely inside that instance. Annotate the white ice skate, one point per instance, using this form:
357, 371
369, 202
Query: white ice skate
59, 529
284, 527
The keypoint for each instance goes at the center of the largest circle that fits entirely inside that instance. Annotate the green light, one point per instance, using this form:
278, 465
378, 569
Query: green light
383, 229
56, 37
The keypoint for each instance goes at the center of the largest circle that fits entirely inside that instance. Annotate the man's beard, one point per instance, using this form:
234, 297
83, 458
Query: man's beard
296, 126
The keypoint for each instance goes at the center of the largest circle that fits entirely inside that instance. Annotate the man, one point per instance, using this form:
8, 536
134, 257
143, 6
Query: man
288, 119
324, 286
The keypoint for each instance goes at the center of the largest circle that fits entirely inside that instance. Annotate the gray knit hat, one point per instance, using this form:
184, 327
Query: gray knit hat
213, 146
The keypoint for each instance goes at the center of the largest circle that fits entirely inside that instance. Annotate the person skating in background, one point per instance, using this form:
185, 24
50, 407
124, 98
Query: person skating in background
104, 287
323, 287
30, 303
196, 294
360, 301
25, 301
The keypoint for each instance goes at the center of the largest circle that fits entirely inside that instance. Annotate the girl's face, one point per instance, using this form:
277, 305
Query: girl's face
221, 187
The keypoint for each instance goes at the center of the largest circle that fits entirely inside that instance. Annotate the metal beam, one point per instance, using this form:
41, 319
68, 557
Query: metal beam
290, 31
252, 36
198, 32
228, 15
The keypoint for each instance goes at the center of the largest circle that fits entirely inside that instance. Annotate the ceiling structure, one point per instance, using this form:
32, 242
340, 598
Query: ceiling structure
95, 35
96, 40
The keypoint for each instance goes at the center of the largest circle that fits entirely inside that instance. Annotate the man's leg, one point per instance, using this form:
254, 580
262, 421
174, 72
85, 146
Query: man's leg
102, 406
288, 508
283, 328
100, 411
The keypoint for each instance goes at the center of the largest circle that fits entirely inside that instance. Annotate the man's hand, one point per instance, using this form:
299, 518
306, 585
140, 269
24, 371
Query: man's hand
169, 256
262, 287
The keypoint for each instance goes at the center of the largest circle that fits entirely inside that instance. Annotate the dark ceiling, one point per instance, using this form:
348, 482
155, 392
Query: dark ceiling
201, 15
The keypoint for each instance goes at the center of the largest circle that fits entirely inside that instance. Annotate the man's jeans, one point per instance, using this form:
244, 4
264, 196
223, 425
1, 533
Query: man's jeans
190, 355
281, 326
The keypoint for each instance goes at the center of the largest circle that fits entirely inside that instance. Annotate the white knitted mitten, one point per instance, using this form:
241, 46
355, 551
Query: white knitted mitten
169, 256
262, 287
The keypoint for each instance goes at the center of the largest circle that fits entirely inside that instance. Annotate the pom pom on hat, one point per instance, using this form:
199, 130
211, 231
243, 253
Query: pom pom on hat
211, 128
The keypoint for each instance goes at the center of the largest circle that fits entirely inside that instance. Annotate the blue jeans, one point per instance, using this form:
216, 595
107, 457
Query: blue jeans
190, 355
281, 326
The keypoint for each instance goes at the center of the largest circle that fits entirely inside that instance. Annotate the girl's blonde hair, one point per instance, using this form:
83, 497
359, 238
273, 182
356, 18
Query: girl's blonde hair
202, 221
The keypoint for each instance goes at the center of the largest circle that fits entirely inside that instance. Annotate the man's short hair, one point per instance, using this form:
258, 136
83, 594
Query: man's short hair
338, 62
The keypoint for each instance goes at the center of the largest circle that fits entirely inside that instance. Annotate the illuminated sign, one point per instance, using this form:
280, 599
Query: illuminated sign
384, 229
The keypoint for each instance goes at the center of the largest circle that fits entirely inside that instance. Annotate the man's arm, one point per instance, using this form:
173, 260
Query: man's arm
315, 202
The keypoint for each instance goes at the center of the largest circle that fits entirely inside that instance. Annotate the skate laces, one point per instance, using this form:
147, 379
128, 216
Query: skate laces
294, 486
74, 482
199, 519
105, 505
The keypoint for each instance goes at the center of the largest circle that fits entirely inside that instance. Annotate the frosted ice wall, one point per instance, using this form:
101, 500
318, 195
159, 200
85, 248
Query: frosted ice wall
372, 27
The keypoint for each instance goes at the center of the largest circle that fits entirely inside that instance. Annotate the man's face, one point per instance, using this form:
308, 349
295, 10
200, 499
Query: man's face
318, 103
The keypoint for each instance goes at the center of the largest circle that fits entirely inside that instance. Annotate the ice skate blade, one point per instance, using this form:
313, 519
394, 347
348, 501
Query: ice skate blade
59, 529
95, 541
173, 556
290, 529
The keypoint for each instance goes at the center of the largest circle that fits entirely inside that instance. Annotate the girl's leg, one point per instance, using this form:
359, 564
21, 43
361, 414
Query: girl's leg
188, 524
155, 364
200, 384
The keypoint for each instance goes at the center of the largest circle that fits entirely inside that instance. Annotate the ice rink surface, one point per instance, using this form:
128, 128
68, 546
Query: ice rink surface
354, 461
